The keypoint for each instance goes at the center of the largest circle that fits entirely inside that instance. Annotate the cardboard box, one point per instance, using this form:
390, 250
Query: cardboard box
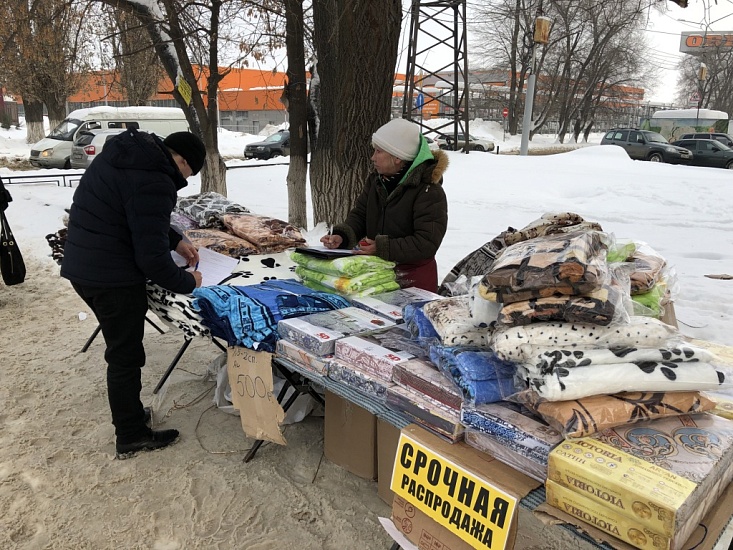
605, 518
387, 438
422, 531
350, 436
668, 493
467, 492
707, 535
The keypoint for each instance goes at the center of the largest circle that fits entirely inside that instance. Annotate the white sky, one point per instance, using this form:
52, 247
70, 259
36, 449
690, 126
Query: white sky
684, 213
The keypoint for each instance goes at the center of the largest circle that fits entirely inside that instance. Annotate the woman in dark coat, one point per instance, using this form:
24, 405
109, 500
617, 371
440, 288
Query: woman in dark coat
402, 213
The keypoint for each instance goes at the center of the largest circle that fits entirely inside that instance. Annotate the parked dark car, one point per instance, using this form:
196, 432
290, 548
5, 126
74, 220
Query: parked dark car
708, 152
722, 138
276, 145
646, 145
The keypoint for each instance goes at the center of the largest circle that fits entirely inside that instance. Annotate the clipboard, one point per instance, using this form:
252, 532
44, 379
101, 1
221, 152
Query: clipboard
325, 253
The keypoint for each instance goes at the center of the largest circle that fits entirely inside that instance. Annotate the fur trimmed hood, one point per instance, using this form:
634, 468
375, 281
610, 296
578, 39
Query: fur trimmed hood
441, 165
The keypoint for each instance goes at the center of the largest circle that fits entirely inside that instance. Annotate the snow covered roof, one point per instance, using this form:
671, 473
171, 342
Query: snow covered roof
104, 111
706, 114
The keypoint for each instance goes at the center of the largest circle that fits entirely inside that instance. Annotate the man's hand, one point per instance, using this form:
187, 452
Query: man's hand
189, 253
332, 241
197, 275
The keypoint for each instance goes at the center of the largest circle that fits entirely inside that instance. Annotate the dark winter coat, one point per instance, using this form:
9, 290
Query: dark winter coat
409, 224
119, 223
5, 197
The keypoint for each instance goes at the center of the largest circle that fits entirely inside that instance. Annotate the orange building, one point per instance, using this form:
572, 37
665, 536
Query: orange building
249, 99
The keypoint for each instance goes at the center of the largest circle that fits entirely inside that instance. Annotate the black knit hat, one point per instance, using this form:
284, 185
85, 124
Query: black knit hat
190, 147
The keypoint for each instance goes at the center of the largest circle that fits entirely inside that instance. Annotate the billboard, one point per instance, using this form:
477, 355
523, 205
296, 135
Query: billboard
695, 42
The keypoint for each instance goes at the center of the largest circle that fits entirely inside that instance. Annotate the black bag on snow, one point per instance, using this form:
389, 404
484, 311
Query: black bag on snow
12, 265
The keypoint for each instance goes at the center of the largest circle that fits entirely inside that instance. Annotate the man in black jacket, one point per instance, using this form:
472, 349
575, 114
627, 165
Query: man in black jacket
119, 236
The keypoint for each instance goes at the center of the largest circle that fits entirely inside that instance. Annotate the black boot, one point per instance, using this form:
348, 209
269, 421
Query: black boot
154, 440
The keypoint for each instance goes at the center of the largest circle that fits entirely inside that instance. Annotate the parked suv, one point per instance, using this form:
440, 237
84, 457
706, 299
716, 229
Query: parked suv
277, 144
646, 145
722, 138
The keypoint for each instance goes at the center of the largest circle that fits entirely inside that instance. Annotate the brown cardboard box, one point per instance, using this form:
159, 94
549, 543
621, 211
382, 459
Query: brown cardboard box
350, 436
705, 537
387, 438
422, 531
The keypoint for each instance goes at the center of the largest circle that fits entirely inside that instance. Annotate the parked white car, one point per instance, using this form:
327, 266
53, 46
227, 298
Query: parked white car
88, 144
474, 144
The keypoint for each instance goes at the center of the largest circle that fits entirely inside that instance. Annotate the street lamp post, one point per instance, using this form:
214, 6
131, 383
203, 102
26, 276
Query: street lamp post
541, 36
702, 76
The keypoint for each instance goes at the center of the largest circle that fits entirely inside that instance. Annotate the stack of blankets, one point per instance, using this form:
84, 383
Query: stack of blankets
210, 220
352, 276
249, 315
555, 278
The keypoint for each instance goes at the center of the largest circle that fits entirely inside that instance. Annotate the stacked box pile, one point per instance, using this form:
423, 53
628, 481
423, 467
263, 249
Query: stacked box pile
653, 482
318, 333
390, 304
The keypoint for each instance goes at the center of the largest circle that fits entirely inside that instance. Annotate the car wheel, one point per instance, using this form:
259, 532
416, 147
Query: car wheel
67, 164
479, 148
729, 166
656, 157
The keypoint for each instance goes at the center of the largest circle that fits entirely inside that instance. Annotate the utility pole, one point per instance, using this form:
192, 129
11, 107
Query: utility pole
445, 87
541, 36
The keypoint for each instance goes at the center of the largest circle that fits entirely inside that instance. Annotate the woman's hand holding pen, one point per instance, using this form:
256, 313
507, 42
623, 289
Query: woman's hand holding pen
332, 241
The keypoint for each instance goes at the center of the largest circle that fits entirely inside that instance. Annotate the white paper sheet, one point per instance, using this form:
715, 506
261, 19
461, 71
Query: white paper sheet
214, 267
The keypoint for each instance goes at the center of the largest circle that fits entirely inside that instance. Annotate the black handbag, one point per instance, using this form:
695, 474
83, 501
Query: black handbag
11, 261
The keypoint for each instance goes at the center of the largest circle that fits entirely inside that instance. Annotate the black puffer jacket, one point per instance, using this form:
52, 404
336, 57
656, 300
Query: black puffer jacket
119, 222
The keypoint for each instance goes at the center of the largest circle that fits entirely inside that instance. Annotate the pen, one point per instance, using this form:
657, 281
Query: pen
197, 267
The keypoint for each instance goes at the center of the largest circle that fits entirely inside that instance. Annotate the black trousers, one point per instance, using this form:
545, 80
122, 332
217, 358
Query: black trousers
121, 315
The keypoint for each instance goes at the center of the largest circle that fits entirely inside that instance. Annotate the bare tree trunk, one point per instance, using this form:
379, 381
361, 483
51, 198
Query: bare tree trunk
356, 44
297, 108
56, 109
34, 120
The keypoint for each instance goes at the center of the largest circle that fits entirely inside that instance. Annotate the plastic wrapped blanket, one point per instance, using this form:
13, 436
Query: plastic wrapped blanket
520, 344
221, 242
248, 315
547, 361
574, 263
647, 376
206, 208
265, 232
480, 374
359, 283
588, 415
451, 319
349, 266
